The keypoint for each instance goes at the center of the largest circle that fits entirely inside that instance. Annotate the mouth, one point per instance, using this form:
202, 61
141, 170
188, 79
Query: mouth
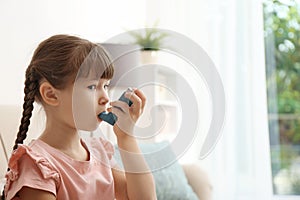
98, 118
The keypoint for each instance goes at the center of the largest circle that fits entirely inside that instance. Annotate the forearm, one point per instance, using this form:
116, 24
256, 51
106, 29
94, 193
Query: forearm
140, 182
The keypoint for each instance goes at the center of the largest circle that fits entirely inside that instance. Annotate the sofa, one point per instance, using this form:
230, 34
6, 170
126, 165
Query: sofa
175, 181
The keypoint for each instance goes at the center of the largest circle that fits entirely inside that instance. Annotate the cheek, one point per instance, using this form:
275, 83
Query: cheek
84, 110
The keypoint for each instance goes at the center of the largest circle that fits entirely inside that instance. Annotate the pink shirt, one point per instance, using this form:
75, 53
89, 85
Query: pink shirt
43, 167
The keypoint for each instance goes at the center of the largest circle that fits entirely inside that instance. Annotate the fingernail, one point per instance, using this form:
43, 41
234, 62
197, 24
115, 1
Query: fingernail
129, 89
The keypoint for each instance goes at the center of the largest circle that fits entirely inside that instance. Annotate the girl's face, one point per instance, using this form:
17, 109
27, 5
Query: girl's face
89, 98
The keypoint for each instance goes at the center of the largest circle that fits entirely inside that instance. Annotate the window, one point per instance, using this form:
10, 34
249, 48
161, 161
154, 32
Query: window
282, 50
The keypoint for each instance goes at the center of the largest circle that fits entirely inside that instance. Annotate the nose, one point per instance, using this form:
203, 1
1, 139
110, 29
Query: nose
103, 98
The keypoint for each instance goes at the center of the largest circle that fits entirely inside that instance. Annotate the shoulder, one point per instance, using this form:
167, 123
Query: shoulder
26, 155
29, 168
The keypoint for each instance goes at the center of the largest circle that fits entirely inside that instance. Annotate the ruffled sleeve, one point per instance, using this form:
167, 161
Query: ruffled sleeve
27, 168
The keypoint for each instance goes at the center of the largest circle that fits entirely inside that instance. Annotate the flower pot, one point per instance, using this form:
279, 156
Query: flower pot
149, 57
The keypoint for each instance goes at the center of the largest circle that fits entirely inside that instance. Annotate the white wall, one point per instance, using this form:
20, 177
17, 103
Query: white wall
26, 23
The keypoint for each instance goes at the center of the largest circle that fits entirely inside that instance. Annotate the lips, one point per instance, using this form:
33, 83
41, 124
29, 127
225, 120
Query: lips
98, 118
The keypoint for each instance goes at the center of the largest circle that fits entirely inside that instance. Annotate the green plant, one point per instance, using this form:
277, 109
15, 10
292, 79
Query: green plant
149, 38
282, 36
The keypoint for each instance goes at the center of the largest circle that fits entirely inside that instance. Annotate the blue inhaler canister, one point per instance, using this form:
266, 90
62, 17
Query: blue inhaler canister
110, 117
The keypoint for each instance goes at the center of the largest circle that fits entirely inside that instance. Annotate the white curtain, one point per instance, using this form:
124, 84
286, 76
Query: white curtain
231, 31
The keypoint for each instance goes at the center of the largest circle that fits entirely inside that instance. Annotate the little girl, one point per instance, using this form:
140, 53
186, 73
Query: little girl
69, 77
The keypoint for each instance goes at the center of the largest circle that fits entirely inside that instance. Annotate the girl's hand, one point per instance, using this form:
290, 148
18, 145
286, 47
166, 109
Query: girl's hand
128, 116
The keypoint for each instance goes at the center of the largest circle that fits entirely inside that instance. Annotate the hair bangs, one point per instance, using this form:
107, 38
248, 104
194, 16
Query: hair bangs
97, 64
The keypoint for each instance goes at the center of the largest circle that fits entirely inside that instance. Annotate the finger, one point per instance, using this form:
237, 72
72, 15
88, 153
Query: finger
136, 101
117, 111
141, 95
119, 108
122, 106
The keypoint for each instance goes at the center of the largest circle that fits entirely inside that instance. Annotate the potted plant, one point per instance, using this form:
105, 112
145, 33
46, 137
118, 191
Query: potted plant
150, 40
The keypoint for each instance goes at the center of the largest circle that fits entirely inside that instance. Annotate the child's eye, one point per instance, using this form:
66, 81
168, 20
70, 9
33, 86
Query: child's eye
92, 87
106, 86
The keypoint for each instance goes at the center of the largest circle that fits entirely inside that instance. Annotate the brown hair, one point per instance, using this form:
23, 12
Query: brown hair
58, 60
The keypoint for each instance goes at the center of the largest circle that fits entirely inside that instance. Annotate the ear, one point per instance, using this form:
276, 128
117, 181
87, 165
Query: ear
49, 94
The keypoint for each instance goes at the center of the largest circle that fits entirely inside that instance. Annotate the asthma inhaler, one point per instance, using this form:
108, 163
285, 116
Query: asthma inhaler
110, 117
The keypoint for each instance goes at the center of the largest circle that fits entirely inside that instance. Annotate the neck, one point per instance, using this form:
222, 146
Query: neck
60, 137
65, 139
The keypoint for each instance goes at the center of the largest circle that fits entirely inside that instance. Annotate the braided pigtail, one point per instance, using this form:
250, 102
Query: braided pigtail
30, 90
